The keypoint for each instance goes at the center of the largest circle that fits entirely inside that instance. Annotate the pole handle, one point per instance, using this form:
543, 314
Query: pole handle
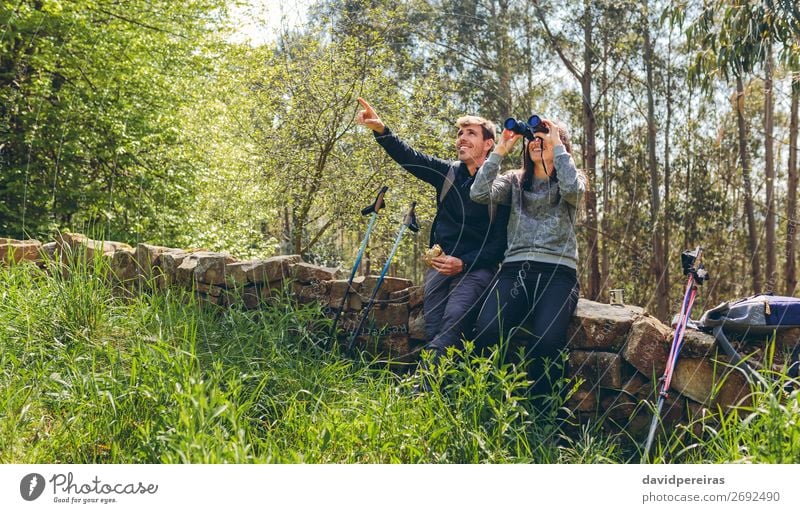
410, 219
691, 263
376, 205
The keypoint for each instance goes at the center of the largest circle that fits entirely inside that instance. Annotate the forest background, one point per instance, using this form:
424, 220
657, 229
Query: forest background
156, 121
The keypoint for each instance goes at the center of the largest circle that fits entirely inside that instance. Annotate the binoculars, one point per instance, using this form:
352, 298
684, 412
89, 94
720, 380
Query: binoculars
527, 130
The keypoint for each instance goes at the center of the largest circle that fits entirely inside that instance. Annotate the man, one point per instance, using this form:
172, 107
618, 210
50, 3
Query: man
471, 235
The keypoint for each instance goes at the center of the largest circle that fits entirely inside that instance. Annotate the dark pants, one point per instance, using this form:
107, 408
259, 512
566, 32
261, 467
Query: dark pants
531, 302
451, 303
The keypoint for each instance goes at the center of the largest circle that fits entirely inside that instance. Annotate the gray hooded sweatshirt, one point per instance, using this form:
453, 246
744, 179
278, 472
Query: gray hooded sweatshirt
542, 222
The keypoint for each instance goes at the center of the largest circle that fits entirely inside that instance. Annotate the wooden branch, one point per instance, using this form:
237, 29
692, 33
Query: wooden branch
317, 236
554, 41
139, 23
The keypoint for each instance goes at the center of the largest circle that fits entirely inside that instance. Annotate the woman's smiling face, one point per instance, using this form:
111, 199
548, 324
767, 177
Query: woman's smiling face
538, 150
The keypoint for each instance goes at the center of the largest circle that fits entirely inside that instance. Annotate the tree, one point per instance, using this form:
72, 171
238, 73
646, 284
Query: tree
656, 221
89, 98
288, 168
481, 45
792, 184
735, 37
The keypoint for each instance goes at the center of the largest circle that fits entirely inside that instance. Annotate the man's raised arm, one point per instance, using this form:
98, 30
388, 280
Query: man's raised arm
425, 167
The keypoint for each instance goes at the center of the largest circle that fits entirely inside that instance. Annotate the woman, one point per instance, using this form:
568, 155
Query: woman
536, 290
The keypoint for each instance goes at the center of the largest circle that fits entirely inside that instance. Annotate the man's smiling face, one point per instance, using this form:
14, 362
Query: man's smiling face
470, 144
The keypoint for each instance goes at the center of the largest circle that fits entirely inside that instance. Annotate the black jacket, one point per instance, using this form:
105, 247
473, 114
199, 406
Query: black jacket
461, 226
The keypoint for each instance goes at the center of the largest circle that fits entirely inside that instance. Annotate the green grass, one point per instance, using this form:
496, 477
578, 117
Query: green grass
765, 429
90, 376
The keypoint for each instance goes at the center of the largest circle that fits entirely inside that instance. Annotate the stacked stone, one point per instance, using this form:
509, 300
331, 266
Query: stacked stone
386, 331
617, 352
13, 251
76, 245
67, 245
215, 277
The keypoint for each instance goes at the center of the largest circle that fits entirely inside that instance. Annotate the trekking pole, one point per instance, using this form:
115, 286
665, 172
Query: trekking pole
736, 359
410, 223
690, 261
372, 209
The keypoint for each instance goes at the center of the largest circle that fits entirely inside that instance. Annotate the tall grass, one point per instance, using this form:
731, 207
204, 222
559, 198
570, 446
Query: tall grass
764, 429
89, 376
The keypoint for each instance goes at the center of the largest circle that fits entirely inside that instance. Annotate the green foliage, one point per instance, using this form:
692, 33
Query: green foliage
732, 37
288, 170
149, 123
765, 432
90, 93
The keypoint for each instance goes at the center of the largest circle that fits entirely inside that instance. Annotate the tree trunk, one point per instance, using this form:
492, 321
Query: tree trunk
652, 166
530, 56
752, 239
590, 155
297, 236
667, 148
607, 135
504, 71
286, 233
791, 201
689, 162
769, 162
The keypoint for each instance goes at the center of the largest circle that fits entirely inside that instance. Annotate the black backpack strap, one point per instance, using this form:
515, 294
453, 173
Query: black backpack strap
450, 179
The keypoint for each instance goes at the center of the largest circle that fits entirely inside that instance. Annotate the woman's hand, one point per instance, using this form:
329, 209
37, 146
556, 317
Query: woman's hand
552, 138
507, 141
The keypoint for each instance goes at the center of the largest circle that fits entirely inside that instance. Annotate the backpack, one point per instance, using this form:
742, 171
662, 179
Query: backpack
755, 315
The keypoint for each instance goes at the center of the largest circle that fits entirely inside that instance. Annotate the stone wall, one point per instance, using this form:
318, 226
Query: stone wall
618, 351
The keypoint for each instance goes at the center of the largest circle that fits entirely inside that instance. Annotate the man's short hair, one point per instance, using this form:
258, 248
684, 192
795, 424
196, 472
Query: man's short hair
489, 129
